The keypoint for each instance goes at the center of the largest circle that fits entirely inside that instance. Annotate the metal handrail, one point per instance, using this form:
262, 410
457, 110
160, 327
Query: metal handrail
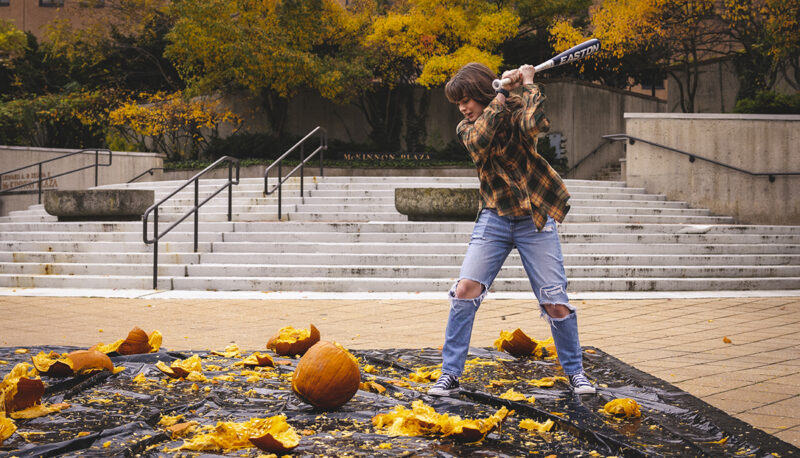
96, 166
631, 139
196, 179
150, 171
323, 145
595, 150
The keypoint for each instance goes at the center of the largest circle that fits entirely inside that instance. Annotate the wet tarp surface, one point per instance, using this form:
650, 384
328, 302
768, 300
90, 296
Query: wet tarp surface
115, 415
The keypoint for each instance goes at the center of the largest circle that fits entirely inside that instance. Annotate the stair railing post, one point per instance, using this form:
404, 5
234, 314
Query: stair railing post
96, 165
196, 210
155, 248
323, 144
280, 191
302, 165
230, 192
40, 183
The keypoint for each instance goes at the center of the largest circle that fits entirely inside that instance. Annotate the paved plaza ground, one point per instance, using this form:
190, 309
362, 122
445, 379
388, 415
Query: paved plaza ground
755, 377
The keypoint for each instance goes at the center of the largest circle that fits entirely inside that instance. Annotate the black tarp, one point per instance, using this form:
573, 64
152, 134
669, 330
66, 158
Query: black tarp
121, 415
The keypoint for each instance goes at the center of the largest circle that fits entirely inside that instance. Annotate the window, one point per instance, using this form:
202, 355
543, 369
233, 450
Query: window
5, 2
92, 3
51, 3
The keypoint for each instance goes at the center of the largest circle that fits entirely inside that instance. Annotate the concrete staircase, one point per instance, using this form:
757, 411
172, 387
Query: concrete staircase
344, 235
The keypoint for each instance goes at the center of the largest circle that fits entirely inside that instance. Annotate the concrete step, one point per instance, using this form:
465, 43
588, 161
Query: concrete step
392, 259
380, 271
347, 284
458, 248
398, 227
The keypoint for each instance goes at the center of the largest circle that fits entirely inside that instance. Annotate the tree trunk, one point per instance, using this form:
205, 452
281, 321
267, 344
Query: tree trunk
276, 109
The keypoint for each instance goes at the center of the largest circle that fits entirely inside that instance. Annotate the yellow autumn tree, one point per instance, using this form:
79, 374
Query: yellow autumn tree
426, 41
171, 123
677, 36
673, 35
274, 48
12, 41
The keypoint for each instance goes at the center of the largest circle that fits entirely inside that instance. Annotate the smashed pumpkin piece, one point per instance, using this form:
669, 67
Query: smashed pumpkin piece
425, 375
279, 437
546, 382
290, 341
257, 359
21, 388
515, 343
422, 419
181, 429
327, 376
137, 342
39, 410
533, 425
7, 427
72, 363
623, 408
231, 351
182, 368
261, 432
513, 395
373, 387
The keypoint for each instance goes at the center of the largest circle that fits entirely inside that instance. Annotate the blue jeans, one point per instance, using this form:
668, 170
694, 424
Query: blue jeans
492, 240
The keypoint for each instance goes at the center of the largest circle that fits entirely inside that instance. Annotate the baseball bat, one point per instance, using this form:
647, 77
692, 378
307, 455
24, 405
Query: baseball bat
577, 52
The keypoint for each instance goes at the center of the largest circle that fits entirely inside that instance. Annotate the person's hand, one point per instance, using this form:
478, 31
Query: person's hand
527, 72
515, 76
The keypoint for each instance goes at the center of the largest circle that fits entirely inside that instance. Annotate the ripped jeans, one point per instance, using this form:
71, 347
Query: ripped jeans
492, 240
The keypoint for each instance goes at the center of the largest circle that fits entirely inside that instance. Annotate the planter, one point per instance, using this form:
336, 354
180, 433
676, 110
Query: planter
438, 204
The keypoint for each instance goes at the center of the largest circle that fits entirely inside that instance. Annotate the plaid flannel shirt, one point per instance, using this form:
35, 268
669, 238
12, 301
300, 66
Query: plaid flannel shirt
515, 179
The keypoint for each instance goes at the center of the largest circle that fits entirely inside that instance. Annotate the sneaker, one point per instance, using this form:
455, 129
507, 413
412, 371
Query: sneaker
446, 385
580, 384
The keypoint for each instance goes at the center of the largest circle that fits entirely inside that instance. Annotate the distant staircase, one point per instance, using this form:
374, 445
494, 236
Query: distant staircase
346, 236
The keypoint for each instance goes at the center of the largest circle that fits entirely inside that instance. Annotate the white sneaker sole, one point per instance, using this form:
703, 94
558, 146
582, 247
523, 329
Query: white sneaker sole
584, 390
438, 392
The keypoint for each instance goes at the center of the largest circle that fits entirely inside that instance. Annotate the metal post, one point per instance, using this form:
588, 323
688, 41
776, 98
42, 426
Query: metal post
322, 143
40, 183
302, 164
155, 249
280, 191
196, 211
230, 191
96, 166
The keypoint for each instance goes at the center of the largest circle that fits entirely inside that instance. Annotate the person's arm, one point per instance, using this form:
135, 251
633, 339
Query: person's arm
478, 135
533, 119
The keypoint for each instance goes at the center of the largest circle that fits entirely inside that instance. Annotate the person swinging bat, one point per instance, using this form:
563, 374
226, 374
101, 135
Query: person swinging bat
521, 200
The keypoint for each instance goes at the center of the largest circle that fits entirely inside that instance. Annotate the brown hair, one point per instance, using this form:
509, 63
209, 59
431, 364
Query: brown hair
474, 81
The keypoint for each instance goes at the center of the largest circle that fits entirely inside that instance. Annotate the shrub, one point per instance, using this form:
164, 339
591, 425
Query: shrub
768, 102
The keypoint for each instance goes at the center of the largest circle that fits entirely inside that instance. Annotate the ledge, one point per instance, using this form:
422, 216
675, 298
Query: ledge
98, 204
438, 204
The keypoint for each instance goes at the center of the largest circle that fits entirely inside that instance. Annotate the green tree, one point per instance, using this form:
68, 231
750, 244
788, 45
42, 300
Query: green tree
274, 48
765, 40
120, 45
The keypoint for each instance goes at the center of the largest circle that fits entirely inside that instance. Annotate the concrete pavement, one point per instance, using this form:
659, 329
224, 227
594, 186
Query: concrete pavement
755, 377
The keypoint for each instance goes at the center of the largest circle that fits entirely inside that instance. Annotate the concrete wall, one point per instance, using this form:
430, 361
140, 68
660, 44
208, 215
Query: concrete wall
581, 112
124, 166
758, 143
717, 87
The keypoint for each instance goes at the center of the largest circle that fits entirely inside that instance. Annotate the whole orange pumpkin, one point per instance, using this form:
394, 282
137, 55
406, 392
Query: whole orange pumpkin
327, 376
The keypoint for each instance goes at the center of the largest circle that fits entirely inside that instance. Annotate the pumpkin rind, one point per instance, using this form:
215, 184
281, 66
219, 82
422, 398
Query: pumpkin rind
623, 408
87, 361
136, 343
7, 427
516, 344
300, 346
326, 377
